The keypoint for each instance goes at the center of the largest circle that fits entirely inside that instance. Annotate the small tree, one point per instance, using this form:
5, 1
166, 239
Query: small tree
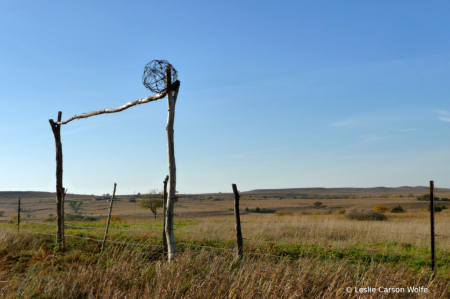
317, 204
257, 210
2, 213
152, 201
75, 205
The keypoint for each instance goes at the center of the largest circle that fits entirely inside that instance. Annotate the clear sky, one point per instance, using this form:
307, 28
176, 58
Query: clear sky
274, 94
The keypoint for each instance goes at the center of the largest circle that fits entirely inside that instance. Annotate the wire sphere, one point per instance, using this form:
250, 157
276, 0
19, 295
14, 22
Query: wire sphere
154, 77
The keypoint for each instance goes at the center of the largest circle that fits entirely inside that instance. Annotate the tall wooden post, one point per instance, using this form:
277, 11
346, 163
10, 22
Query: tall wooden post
164, 216
109, 217
433, 256
171, 100
59, 177
18, 216
240, 248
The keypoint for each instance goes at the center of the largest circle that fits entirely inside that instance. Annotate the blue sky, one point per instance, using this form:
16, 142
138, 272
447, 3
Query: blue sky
274, 94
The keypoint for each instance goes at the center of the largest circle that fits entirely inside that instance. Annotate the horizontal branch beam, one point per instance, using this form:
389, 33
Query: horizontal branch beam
121, 108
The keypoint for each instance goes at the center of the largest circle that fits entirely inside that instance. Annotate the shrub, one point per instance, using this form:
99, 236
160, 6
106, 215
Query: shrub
383, 196
89, 219
73, 217
50, 218
317, 204
380, 208
247, 209
316, 213
132, 199
426, 197
2, 213
436, 208
283, 214
113, 219
410, 195
14, 219
340, 212
445, 199
257, 210
398, 209
365, 215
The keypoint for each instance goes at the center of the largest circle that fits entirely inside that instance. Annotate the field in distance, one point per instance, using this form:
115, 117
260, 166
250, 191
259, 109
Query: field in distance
37, 206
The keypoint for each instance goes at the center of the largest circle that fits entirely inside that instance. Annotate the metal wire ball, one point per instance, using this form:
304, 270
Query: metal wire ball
154, 77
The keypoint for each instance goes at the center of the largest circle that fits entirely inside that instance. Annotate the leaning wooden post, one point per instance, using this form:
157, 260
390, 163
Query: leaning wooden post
164, 216
56, 128
240, 248
109, 218
171, 100
18, 216
433, 256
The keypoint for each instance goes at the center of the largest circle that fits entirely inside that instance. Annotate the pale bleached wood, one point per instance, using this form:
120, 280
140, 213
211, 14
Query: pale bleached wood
121, 108
164, 215
171, 100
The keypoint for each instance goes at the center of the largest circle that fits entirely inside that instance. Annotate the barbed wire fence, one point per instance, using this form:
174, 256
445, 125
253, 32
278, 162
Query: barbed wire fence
252, 246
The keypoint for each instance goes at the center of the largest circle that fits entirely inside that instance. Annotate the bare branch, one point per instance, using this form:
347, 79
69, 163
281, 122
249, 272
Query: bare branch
121, 108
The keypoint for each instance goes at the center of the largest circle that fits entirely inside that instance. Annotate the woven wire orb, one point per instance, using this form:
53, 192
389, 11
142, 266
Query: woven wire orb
154, 77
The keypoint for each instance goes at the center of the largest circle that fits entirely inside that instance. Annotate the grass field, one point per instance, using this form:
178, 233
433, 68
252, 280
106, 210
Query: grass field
299, 256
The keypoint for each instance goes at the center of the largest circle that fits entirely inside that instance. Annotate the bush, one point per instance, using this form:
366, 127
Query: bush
247, 209
283, 214
445, 199
113, 219
50, 218
132, 199
89, 219
340, 212
398, 209
257, 210
366, 215
436, 208
317, 204
380, 208
426, 197
14, 219
73, 217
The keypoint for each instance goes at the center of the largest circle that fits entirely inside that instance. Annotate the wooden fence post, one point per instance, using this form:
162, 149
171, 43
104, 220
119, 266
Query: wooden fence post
109, 217
164, 216
433, 256
240, 249
18, 217
172, 94
63, 215
56, 129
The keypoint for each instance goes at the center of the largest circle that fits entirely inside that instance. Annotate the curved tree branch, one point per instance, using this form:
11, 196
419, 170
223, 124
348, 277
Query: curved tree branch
121, 108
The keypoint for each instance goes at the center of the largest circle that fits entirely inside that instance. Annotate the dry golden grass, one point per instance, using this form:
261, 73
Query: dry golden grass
130, 273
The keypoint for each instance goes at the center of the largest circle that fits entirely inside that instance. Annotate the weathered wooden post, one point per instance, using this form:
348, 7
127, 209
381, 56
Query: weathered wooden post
172, 94
109, 217
56, 128
240, 248
18, 216
64, 192
164, 216
433, 256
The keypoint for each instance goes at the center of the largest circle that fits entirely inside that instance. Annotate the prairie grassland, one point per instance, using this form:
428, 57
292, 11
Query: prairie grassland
285, 257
